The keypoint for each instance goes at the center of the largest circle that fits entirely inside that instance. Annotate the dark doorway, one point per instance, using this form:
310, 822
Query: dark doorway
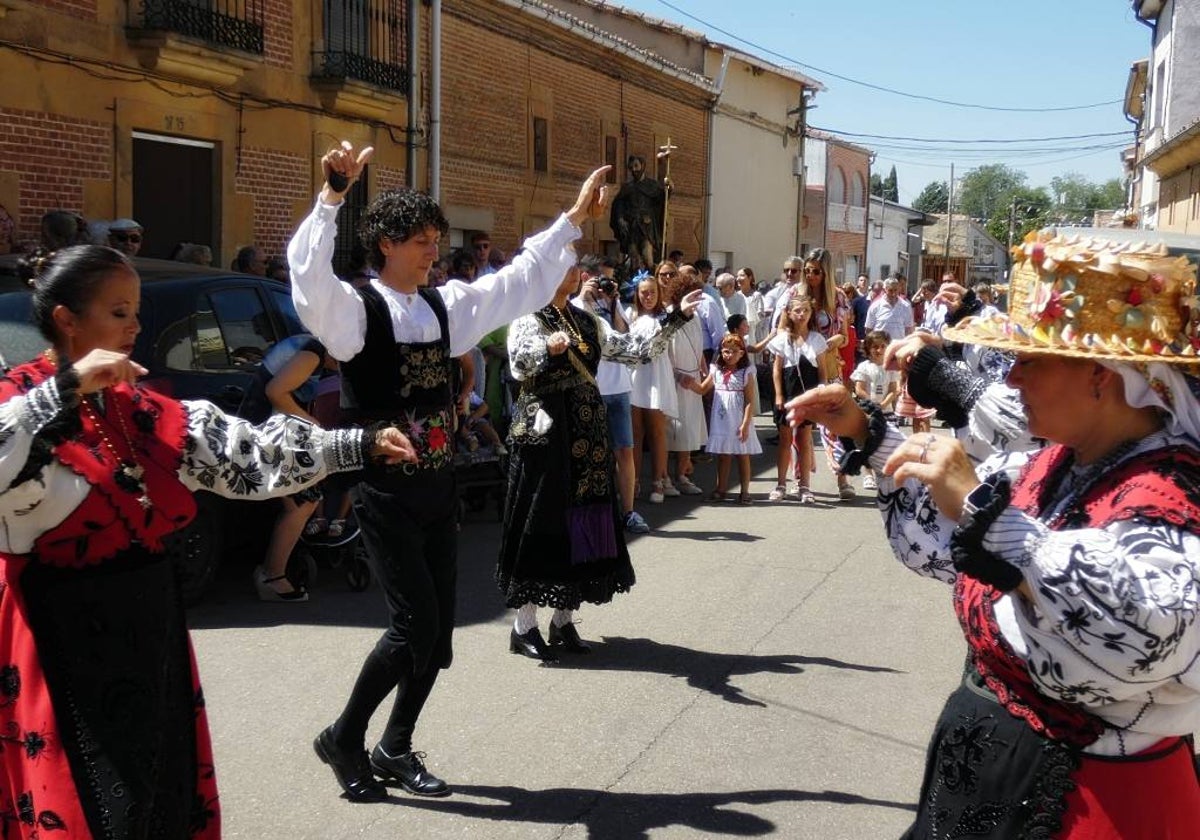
173, 193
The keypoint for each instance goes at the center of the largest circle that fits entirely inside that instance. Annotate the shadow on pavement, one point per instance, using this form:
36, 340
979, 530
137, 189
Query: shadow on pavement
702, 669
632, 816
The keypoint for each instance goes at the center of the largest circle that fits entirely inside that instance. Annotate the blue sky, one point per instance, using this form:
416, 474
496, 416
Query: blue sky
1012, 54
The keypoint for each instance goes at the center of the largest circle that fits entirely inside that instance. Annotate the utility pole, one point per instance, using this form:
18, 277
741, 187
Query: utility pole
800, 112
1012, 221
949, 220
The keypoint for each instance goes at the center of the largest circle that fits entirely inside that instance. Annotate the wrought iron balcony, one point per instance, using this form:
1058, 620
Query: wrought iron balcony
227, 23
364, 40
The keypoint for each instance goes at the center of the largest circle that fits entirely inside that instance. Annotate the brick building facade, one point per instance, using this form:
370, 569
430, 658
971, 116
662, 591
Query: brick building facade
218, 141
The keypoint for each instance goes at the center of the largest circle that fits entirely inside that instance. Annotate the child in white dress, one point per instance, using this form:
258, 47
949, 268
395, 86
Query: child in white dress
799, 358
875, 383
731, 422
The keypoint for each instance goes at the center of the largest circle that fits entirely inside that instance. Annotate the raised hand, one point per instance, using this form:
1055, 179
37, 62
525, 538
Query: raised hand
691, 302
593, 199
342, 167
831, 406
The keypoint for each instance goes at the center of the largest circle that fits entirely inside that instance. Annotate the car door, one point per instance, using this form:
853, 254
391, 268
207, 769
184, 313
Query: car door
210, 343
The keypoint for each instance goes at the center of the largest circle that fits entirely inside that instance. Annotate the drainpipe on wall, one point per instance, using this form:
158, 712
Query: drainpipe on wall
414, 110
435, 100
719, 84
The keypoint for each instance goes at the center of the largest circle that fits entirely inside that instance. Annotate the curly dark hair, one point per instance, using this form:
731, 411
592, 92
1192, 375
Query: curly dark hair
69, 277
398, 215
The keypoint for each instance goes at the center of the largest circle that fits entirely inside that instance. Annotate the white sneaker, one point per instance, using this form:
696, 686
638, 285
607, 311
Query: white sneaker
669, 489
684, 485
869, 482
657, 493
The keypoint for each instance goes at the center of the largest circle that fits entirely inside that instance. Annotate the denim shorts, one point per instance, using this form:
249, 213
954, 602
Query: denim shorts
620, 420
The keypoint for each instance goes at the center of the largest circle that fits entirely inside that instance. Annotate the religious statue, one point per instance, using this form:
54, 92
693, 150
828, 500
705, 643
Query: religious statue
637, 216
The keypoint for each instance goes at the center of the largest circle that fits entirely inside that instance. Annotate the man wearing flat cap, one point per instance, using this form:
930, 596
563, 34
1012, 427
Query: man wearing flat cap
126, 236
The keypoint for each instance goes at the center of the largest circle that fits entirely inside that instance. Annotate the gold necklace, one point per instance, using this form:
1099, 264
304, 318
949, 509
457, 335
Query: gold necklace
129, 474
570, 328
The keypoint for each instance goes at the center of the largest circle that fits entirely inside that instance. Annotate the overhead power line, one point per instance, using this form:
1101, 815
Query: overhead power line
823, 72
944, 140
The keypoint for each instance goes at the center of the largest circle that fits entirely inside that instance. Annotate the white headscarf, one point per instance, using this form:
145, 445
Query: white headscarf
1164, 387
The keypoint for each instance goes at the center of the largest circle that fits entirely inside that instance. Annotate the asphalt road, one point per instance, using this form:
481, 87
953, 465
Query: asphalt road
774, 672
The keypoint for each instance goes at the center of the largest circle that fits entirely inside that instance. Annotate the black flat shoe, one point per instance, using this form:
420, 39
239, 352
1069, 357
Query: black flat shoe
409, 770
531, 644
567, 637
351, 768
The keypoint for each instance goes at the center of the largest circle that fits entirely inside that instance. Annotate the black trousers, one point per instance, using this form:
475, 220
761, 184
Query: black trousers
411, 536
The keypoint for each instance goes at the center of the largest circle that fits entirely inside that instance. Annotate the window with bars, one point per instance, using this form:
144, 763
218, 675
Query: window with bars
347, 225
226, 23
365, 40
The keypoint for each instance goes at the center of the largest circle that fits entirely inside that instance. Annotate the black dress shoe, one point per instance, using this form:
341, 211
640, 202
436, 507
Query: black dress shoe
567, 637
409, 770
531, 644
351, 768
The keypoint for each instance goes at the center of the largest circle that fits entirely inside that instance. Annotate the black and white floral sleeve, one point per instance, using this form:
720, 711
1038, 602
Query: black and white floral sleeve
918, 532
1114, 610
232, 457
640, 344
527, 353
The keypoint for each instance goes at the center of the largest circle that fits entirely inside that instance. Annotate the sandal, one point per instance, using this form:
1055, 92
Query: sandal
716, 496
778, 494
316, 525
744, 499
805, 496
336, 528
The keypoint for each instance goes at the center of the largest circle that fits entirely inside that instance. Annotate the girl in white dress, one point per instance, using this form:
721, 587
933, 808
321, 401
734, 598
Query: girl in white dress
799, 357
731, 423
653, 397
687, 431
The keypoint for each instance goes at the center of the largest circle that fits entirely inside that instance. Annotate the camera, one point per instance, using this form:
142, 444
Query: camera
608, 286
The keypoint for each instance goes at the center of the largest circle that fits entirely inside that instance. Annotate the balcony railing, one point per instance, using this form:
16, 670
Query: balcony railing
847, 218
365, 40
227, 23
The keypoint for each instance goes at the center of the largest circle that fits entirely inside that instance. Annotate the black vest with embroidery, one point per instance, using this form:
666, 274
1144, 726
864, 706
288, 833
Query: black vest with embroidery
408, 385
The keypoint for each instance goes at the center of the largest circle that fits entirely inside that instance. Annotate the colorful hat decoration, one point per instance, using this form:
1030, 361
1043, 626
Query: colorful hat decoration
1094, 298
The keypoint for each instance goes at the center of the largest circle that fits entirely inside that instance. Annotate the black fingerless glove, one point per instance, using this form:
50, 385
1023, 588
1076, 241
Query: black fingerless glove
971, 305
966, 543
855, 457
935, 381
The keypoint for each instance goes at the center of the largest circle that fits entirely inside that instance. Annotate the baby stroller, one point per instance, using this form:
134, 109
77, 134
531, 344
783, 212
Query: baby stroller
332, 536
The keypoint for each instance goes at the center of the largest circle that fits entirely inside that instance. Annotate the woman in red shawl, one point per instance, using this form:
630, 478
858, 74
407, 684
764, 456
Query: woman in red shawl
102, 724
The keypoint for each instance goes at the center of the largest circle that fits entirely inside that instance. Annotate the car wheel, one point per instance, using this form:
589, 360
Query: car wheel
195, 552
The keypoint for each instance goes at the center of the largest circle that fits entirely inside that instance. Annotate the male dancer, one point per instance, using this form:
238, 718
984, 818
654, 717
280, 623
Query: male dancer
396, 341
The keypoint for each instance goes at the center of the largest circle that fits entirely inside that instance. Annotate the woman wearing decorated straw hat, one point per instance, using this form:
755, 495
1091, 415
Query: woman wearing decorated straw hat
1076, 569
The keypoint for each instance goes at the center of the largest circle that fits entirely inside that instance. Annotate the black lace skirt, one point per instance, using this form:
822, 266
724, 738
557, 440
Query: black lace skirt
989, 775
113, 644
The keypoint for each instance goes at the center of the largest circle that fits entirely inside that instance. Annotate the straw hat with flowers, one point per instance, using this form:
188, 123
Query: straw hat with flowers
1092, 298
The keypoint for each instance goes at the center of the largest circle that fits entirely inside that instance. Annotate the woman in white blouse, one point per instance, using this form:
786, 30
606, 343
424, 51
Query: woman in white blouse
1076, 568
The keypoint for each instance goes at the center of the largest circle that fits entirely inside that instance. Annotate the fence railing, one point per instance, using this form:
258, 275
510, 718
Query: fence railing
365, 40
227, 23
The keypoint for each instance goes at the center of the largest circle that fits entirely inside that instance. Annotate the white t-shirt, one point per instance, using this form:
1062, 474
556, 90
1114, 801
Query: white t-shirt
877, 379
809, 348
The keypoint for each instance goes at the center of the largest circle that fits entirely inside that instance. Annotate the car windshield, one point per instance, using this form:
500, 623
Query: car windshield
20, 340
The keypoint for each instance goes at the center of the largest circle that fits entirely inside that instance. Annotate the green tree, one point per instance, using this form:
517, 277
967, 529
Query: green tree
985, 188
876, 184
891, 191
933, 198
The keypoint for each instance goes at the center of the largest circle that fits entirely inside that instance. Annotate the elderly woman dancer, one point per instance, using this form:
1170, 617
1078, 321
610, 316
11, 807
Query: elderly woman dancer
1075, 568
102, 713
563, 540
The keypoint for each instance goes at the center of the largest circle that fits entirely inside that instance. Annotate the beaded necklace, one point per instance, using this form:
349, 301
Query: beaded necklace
129, 475
568, 324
